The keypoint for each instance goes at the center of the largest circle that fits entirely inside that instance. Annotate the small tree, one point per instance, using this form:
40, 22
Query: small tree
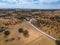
26, 33
21, 17
20, 30
6, 33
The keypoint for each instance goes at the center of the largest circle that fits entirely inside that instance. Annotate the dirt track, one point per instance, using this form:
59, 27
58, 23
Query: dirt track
35, 37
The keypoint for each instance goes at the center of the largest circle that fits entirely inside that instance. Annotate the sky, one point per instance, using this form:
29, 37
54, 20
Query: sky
30, 4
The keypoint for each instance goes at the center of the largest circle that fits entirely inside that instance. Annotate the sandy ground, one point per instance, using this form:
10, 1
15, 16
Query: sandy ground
35, 37
33, 34
43, 41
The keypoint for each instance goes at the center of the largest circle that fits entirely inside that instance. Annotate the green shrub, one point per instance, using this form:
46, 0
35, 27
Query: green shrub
6, 33
20, 30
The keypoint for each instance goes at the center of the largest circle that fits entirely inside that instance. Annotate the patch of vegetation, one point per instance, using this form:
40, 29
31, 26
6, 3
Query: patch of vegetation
52, 18
2, 29
20, 30
21, 17
6, 33
58, 42
26, 33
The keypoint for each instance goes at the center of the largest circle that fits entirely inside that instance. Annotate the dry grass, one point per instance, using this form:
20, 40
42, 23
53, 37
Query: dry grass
33, 34
50, 26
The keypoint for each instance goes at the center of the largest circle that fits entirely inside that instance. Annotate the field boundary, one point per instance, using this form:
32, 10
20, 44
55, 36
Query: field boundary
42, 31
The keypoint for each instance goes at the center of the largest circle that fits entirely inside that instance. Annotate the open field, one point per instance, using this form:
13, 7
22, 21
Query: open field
33, 34
35, 37
43, 41
47, 21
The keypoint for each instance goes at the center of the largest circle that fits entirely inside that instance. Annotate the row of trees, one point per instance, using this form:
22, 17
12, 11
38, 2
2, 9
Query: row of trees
50, 25
41, 22
57, 18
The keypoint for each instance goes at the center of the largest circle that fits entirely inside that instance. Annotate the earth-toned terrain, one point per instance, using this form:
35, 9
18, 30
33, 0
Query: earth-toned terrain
15, 28
17, 38
50, 24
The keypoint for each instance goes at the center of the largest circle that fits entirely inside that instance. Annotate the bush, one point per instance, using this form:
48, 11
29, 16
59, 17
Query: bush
52, 18
6, 33
21, 17
20, 30
58, 42
2, 29
26, 33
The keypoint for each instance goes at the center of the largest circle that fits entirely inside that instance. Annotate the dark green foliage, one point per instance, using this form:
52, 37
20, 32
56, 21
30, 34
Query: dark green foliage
25, 32
20, 30
41, 22
58, 42
52, 18
57, 17
21, 17
6, 33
